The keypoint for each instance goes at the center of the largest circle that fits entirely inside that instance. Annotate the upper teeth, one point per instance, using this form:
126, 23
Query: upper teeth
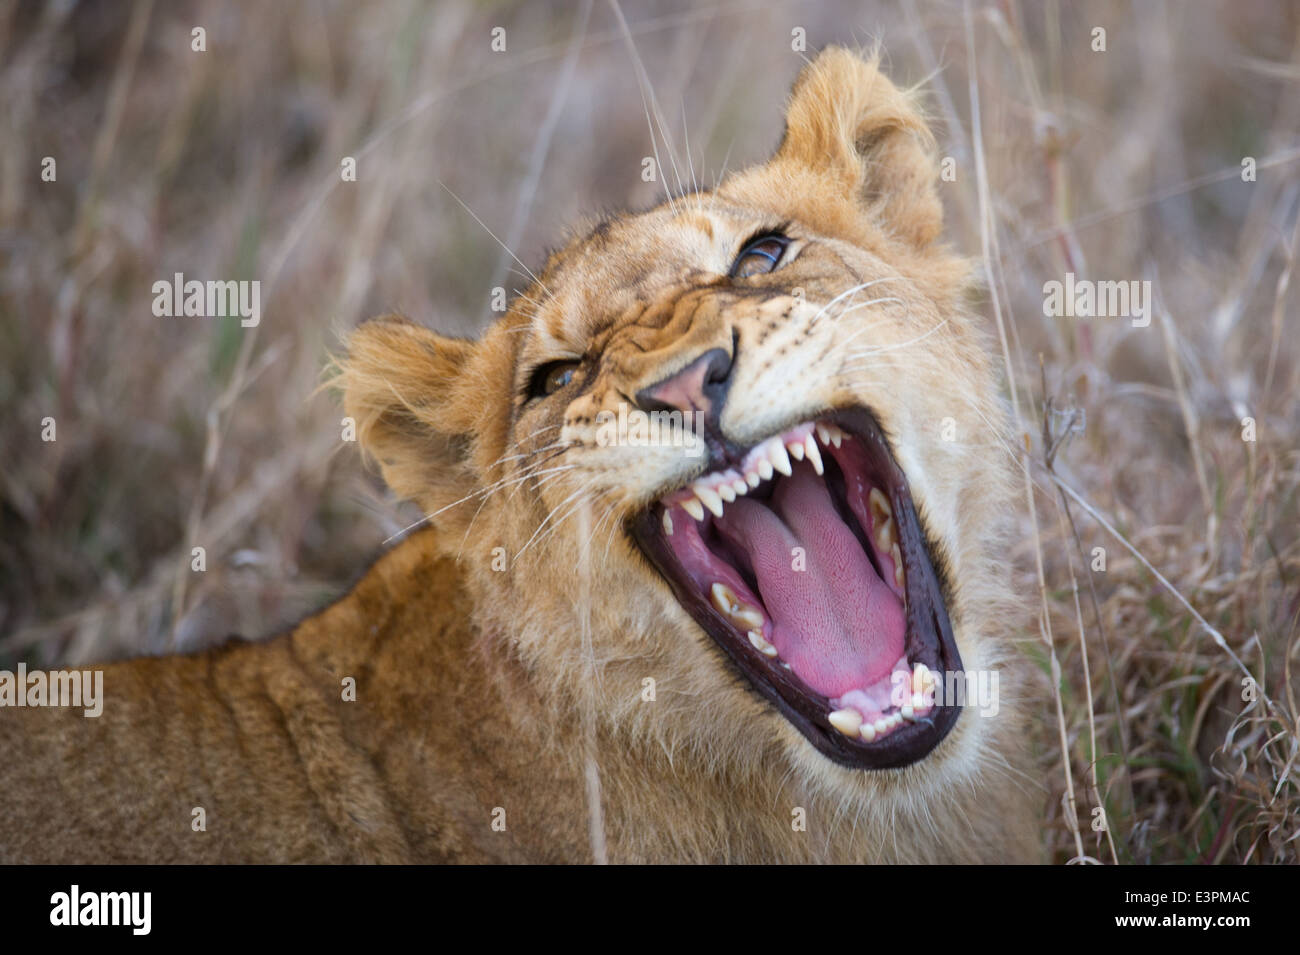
814, 456
714, 491
829, 434
882, 519
881, 509
709, 498
780, 460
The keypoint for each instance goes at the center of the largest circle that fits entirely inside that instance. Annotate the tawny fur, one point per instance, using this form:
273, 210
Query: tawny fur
501, 655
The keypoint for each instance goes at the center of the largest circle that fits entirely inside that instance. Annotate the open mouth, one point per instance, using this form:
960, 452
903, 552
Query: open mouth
802, 556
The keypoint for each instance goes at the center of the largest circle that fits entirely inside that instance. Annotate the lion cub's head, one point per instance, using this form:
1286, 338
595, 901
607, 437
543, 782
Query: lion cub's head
746, 445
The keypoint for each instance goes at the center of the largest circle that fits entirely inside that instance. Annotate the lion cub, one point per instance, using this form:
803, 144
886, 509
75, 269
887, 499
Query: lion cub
701, 578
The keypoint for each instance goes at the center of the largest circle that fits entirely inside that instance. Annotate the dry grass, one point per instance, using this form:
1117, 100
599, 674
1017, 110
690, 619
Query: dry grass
1115, 165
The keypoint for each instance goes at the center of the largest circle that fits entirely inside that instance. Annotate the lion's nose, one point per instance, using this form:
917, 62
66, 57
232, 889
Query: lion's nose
701, 387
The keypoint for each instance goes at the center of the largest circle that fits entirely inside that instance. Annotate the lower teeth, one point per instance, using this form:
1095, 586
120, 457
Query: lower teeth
847, 721
741, 614
762, 646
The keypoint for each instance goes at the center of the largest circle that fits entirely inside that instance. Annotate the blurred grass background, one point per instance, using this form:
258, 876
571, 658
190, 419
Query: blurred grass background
1123, 164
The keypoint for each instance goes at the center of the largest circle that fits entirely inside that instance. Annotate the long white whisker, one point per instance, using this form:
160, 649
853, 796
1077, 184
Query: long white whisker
847, 292
647, 101
520, 481
468, 497
553, 511
494, 236
882, 349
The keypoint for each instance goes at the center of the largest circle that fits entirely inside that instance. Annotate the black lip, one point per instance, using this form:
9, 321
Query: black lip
929, 638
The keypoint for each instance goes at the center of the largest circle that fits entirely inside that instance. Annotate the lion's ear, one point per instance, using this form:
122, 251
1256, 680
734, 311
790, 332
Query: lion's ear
404, 386
859, 133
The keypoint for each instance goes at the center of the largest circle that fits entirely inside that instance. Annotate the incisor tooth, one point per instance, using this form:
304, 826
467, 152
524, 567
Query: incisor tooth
762, 646
847, 721
907, 711
823, 434
780, 460
882, 726
868, 732
694, 508
796, 450
740, 487
752, 479
668, 524
765, 469
726, 492
814, 456
710, 498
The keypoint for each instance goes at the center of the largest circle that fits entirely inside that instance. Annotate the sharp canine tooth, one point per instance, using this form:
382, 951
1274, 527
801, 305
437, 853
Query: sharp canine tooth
900, 578
765, 469
796, 450
726, 492
668, 524
847, 721
694, 508
780, 460
710, 498
761, 645
814, 456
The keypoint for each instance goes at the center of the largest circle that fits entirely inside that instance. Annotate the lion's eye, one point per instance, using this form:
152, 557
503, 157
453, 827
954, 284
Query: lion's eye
761, 255
551, 377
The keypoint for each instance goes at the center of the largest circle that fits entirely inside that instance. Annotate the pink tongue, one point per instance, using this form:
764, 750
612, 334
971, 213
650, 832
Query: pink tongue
836, 623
